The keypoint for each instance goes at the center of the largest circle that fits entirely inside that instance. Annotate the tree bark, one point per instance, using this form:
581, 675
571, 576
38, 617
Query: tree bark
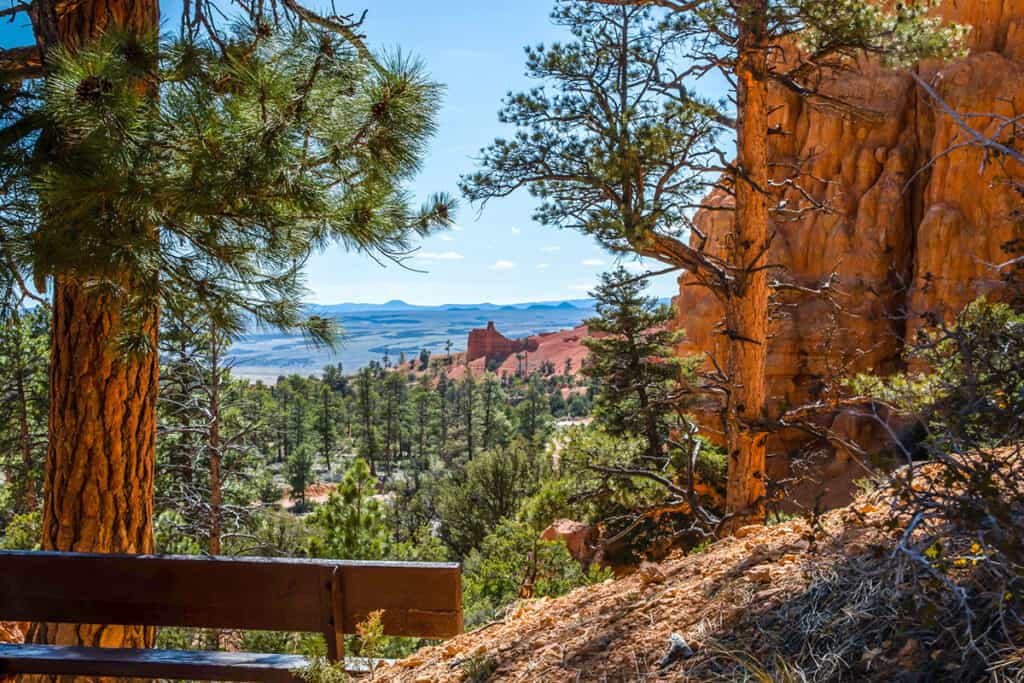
746, 303
102, 430
100, 460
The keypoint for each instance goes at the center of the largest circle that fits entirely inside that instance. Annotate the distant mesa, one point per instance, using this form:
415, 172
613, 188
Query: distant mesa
562, 352
492, 345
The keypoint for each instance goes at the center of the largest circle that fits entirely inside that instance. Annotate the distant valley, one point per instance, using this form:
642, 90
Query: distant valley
395, 327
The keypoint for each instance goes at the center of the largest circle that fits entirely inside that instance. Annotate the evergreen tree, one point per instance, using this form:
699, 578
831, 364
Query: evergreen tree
300, 474
493, 423
467, 395
633, 359
208, 431
214, 164
394, 404
298, 415
622, 148
366, 397
24, 365
423, 400
282, 395
351, 523
444, 416
472, 503
326, 426
532, 412
334, 377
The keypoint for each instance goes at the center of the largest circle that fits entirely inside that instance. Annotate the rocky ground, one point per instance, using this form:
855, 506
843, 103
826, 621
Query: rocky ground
819, 593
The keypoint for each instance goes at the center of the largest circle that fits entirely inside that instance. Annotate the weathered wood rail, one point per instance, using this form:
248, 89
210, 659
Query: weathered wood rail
330, 597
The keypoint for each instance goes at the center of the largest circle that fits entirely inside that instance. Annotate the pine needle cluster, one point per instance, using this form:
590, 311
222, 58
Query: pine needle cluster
213, 169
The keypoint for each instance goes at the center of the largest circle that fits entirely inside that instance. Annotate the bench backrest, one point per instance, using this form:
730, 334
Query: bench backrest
419, 599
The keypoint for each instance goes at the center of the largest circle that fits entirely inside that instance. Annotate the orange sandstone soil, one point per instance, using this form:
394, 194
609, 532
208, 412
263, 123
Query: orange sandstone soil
716, 600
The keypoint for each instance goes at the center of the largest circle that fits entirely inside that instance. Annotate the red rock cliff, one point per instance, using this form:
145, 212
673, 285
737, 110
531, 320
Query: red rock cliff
490, 344
904, 237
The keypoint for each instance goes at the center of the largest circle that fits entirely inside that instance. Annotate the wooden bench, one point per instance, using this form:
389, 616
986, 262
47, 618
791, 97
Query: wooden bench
331, 597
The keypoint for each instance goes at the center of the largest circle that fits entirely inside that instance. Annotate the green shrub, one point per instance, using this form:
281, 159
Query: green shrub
513, 560
172, 535
964, 546
351, 524
23, 532
491, 488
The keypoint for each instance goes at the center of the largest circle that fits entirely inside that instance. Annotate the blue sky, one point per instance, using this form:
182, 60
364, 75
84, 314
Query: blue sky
499, 255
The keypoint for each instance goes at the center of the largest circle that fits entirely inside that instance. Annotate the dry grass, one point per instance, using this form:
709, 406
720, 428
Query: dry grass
828, 601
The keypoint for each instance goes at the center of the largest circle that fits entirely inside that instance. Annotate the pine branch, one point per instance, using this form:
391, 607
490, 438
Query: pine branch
667, 4
15, 9
343, 27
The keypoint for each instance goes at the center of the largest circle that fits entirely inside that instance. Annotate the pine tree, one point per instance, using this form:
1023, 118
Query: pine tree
351, 522
633, 359
207, 435
282, 395
622, 148
213, 164
335, 378
423, 400
394, 404
366, 397
300, 474
23, 403
326, 426
492, 399
298, 415
467, 396
533, 414
444, 416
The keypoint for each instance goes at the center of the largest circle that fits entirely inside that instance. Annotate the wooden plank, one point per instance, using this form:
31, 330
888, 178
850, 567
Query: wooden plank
135, 663
418, 599
335, 635
439, 595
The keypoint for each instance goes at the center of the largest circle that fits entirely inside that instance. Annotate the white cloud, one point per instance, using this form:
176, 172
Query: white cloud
440, 256
515, 230
593, 262
502, 265
542, 266
447, 238
581, 288
550, 249
456, 227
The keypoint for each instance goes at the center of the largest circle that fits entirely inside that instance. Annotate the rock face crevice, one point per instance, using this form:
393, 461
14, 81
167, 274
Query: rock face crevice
913, 227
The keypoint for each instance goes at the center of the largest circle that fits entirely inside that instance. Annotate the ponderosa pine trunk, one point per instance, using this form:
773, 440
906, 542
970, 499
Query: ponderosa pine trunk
102, 429
746, 304
100, 460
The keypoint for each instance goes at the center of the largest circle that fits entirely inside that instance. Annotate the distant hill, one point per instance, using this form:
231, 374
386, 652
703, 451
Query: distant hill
396, 329
399, 305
